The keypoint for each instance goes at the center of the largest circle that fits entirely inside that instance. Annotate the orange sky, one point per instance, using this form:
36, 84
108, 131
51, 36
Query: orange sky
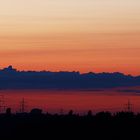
80, 35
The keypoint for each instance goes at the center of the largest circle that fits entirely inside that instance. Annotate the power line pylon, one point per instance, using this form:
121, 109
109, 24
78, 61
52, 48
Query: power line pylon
129, 106
22, 106
2, 103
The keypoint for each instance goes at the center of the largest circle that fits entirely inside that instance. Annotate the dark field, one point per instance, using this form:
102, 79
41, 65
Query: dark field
103, 125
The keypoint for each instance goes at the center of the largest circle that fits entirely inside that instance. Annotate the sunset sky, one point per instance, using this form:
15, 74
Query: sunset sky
73, 35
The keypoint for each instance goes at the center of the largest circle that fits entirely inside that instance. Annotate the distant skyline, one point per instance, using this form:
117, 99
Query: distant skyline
76, 35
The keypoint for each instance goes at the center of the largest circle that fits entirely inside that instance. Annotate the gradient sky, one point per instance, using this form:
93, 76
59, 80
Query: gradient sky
80, 35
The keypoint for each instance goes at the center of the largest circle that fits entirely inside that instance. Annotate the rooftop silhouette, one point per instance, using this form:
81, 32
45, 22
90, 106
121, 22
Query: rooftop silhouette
11, 78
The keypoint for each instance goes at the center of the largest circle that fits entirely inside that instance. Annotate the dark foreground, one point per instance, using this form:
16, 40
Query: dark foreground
103, 125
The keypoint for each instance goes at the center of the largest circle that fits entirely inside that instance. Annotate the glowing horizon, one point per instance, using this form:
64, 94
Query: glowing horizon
76, 35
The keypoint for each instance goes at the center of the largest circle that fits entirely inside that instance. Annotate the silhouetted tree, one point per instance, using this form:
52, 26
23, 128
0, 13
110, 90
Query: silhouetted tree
8, 111
89, 113
70, 113
36, 111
